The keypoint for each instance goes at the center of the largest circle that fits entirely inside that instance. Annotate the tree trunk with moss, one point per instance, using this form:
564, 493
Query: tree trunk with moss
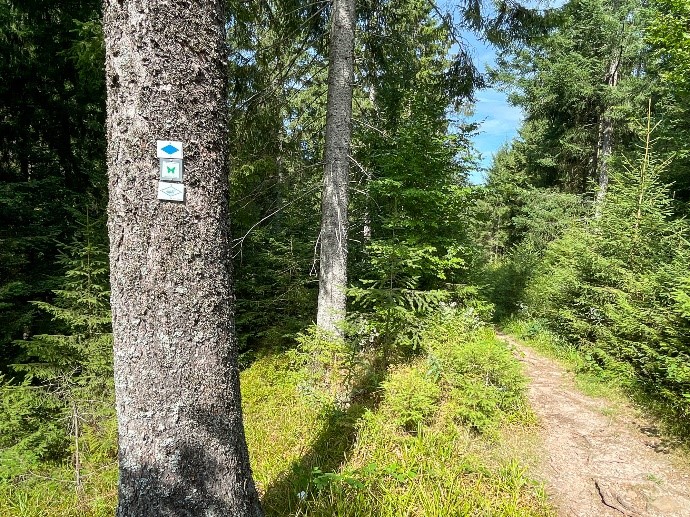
182, 448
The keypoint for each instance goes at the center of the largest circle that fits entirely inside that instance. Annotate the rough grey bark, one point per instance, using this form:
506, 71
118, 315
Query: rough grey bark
334, 199
182, 448
605, 141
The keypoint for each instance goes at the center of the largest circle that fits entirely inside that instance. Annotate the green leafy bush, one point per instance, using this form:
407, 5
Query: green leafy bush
411, 396
616, 286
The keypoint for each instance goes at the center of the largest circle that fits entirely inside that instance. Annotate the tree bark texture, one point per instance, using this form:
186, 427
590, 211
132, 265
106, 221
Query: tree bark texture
334, 199
182, 448
605, 141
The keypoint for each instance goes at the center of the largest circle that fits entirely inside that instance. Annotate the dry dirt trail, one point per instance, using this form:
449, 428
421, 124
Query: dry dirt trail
596, 465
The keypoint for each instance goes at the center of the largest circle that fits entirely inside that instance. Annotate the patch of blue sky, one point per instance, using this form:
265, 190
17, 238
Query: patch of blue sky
498, 120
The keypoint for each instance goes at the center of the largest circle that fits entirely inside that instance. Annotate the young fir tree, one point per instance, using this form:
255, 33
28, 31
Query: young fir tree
412, 160
81, 308
68, 373
615, 285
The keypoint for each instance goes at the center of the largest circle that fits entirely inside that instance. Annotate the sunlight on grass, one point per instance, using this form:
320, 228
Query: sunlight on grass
446, 433
424, 446
53, 494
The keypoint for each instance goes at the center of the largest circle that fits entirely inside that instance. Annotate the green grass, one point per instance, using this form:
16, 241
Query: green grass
445, 433
49, 489
52, 493
438, 438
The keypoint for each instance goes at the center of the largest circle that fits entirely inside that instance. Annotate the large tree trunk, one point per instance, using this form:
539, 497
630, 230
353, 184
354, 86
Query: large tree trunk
333, 257
182, 448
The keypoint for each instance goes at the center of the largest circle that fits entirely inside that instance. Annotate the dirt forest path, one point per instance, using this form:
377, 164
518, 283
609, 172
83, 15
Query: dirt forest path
596, 465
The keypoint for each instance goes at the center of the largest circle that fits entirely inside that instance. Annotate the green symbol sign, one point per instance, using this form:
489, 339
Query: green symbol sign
171, 169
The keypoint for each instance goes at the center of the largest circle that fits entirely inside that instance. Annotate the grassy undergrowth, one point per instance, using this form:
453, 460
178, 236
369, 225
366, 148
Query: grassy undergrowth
53, 487
614, 381
444, 433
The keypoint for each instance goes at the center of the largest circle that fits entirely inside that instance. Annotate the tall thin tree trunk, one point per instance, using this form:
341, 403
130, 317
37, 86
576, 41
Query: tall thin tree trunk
182, 448
367, 231
367, 227
372, 77
605, 143
334, 200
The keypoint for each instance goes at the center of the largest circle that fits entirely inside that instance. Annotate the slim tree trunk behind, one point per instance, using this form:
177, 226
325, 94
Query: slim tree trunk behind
334, 200
372, 80
605, 143
182, 448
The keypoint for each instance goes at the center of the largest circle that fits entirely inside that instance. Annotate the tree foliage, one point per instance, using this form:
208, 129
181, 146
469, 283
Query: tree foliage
615, 287
563, 82
610, 276
51, 148
610, 279
65, 377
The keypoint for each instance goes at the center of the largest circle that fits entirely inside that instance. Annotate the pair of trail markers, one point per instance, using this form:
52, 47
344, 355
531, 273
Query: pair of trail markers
170, 186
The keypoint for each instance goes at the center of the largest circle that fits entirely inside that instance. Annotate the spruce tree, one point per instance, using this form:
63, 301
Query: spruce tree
182, 448
615, 287
336, 176
68, 373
